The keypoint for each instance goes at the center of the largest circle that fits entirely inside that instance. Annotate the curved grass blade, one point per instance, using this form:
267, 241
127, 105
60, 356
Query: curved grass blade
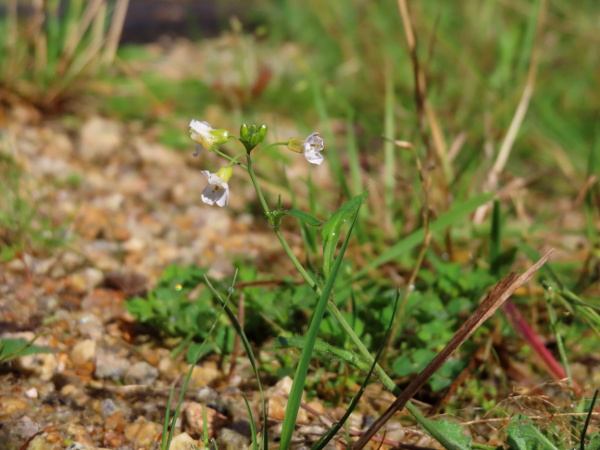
240, 331
587, 421
331, 230
321, 443
166, 439
293, 405
252, 424
456, 214
335, 353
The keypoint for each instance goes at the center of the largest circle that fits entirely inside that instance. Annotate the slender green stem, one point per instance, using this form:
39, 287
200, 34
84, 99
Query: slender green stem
233, 160
310, 280
385, 379
261, 197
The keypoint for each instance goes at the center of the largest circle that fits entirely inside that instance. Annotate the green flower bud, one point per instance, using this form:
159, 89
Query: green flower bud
244, 132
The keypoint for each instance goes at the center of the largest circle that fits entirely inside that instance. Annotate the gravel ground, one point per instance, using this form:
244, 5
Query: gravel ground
127, 207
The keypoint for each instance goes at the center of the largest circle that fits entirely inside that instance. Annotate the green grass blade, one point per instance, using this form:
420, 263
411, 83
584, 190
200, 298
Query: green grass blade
252, 424
455, 215
238, 328
291, 411
167, 444
587, 421
165, 433
331, 230
495, 239
321, 443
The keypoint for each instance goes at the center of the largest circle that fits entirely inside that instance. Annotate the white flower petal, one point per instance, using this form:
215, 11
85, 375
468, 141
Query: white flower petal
315, 141
214, 193
200, 127
313, 157
217, 190
224, 199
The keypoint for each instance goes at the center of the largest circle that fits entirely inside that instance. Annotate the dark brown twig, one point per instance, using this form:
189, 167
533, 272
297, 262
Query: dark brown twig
499, 294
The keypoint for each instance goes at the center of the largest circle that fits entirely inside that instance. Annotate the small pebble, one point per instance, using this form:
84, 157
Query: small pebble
110, 366
229, 439
184, 441
83, 352
107, 407
141, 373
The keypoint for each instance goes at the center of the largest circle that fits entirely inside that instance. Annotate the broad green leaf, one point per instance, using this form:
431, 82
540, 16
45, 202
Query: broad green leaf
304, 217
331, 230
524, 435
453, 433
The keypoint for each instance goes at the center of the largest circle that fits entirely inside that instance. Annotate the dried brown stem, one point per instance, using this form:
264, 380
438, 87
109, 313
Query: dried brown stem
499, 294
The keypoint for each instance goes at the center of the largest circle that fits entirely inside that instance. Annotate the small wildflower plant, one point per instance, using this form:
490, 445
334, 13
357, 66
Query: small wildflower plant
217, 192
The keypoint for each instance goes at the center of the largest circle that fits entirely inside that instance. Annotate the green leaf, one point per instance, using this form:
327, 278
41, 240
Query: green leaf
594, 442
304, 217
453, 433
331, 230
524, 435
355, 359
11, 348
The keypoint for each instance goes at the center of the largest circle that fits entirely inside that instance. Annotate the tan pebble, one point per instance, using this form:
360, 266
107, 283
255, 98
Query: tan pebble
194, 419
77, 283
12, 405
115, 421
68, 390
83, 352
134, 245
39, 443
184, 441
278, 398
143, 433
317, 406
42, 364
58, 146
113, 439
100, 138
205, 374
54, 437
156, 154
356, 420
120, 233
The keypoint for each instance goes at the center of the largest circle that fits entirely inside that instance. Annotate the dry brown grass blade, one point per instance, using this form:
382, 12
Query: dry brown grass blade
114, 34
425, 112
499, 294
77, 32
517, 120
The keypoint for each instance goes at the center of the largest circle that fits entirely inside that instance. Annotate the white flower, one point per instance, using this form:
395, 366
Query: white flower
217, 190
207, 137
311, 147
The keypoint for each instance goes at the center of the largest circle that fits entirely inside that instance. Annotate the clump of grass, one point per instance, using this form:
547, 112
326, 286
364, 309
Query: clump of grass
50, 53
22, 227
